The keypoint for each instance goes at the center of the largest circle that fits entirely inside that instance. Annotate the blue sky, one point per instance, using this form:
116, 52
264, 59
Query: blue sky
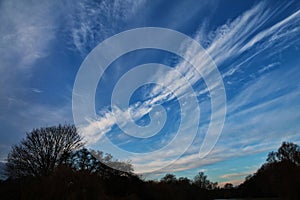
254, 44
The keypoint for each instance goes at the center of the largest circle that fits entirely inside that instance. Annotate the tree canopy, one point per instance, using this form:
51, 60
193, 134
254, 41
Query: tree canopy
288, 151
45, 149
42, 150
202, 181
169, 178
279, 176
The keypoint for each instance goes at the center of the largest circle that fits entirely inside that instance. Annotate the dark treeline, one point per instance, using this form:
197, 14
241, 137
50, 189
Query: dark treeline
52, 163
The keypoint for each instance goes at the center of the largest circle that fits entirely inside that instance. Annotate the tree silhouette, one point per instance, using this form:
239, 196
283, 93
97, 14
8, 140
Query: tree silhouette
228, 186
287, 152
42, 150
201, 181
279, 177
184, 180
92, 161
111, 166
169, 178
83, 160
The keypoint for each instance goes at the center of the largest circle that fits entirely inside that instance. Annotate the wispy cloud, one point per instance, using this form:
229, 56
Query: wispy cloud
268, 67
236, 175
279, 30
92, 21
27, 29
243, 37
26, 36
36, 90
26, 32
234, 182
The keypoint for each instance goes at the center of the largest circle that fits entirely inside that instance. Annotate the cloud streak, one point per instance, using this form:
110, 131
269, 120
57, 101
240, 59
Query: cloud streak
245, 37
27, 30
92, 22
26, 37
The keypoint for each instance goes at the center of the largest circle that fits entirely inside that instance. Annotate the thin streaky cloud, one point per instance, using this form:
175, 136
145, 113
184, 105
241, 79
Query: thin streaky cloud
241, 29
92, 22
234, 175
222, 48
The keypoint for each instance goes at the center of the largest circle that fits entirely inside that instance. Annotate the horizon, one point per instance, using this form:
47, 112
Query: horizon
252, 47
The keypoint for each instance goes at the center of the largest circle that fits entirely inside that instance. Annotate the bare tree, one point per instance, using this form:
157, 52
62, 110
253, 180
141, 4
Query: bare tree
42, 150
110, 166
201, 181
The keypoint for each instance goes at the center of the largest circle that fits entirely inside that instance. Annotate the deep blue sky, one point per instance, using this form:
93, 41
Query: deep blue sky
254, 44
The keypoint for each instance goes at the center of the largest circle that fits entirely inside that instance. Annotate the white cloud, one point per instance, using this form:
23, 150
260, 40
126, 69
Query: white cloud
247, 131
26, 36
36, 90
272, 32
229, 42
245, 119
235, 175
268, 67
26, 32
234, 182
91, 22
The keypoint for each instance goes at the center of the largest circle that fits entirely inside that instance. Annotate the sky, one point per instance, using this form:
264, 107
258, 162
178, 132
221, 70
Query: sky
218, 105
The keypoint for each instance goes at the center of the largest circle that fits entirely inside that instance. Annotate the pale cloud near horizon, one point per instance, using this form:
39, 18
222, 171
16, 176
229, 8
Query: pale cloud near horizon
235, 175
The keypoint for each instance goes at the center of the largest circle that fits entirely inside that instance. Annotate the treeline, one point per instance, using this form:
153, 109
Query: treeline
279, 177
52, 163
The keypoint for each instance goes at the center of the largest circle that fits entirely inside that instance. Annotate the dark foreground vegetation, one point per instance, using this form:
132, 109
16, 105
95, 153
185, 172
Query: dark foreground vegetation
52, 163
